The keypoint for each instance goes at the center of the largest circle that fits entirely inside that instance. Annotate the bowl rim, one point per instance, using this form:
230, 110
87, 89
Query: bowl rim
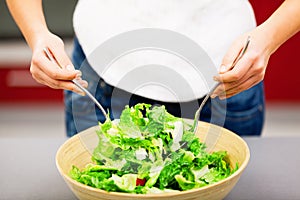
237, 173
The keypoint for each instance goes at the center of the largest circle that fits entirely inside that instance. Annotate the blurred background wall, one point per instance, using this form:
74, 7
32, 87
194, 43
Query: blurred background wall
58, 13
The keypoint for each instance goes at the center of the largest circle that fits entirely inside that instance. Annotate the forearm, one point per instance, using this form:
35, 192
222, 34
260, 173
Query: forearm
29, 16
282, 24
265, 40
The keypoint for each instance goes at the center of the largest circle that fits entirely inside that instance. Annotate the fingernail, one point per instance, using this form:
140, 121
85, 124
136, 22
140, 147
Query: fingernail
213, 96
222, 68
80, 92
69, 67
222, 97
78, 74
216, 78
83, 83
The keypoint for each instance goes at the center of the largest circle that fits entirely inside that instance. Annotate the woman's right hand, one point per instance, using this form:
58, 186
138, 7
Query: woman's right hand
58, 75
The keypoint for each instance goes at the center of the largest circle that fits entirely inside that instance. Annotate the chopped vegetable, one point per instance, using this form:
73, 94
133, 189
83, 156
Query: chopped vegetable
150, 151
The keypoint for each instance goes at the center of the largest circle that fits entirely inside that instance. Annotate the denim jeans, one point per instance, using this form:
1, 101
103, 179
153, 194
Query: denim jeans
242, 114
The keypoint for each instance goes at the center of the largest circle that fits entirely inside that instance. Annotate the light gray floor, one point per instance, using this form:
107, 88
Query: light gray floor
282, 119
47, 120
43, 120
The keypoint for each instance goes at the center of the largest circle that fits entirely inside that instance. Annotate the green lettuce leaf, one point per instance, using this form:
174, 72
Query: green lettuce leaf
151, 146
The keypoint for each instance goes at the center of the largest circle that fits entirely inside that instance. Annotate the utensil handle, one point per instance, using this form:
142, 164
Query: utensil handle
49, 55
197, 114
91, 97
241, 53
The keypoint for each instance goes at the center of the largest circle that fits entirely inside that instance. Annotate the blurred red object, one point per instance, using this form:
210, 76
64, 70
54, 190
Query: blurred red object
18, 86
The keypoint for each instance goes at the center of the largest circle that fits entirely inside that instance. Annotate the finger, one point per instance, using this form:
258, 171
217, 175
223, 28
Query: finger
229, 85
226, 87
232, 88
62, 60
257, 70
71, 68
238, 72
242, 85
58, 84
59, 54
230, 56
83, 83
219, 89
240, 88
42, 63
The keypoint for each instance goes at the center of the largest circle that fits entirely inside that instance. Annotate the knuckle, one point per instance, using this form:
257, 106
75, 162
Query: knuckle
35, 61
257, 70
73, 89
235, 76
38, 79
51, 83
253, 55
34, 73
258, 73
32, 70
261, 76
54, 75
57, 84
60, 42
239, 88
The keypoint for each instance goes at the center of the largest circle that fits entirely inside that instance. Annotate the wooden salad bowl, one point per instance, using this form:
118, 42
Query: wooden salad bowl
73, 152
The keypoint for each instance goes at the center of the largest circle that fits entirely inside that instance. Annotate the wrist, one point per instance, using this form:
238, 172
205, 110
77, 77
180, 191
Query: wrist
37, 37
273, 36
266, 38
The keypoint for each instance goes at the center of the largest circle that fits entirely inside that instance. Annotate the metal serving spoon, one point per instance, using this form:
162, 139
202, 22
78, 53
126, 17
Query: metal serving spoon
52, 59
197, 114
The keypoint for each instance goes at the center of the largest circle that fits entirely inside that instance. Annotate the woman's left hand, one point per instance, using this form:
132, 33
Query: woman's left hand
249, 70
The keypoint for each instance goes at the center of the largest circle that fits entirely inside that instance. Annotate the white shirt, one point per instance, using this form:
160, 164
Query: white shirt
211, 24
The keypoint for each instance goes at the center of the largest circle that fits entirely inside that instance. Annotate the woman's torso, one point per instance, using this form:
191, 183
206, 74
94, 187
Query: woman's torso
211, 24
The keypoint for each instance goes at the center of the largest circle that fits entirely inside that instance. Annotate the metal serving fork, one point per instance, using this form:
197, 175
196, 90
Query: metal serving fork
50, 57
198, 111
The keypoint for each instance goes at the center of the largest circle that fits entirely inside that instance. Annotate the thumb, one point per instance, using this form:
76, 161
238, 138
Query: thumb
62, 58
230, 56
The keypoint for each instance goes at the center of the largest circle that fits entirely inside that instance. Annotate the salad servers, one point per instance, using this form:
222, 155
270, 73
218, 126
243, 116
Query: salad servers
198, 111
52, 59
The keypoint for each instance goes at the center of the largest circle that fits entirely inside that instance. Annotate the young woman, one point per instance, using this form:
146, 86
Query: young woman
220, 27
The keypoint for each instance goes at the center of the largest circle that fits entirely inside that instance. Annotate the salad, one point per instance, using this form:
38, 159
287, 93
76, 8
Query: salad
150, 151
